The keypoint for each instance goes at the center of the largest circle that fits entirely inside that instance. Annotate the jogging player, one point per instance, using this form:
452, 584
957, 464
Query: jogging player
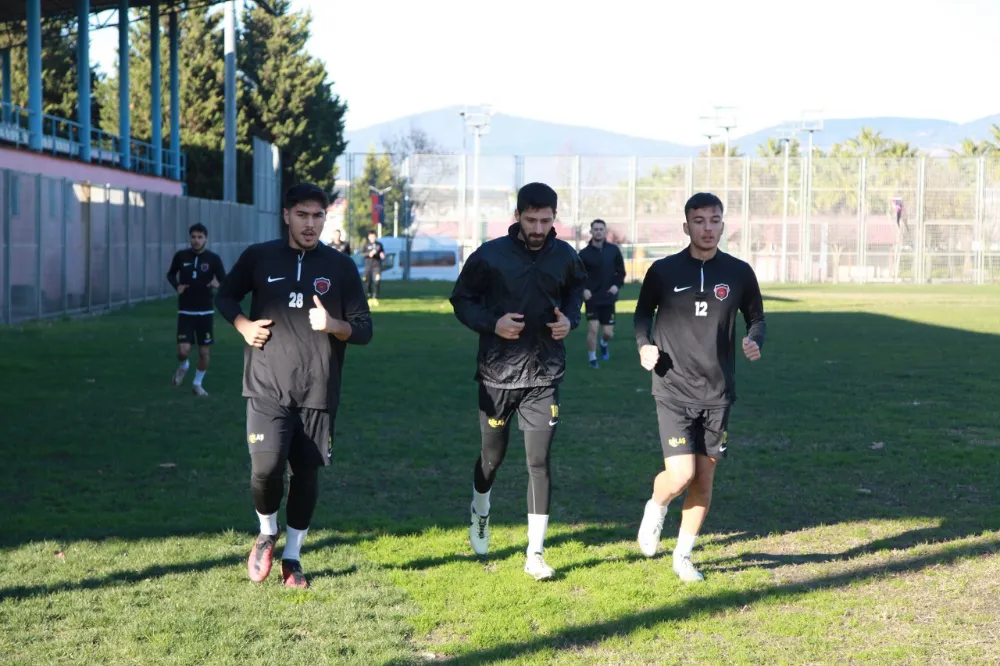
307, 305
605, 276
374, 255
194, 273
522, 293
340, 245
696, 294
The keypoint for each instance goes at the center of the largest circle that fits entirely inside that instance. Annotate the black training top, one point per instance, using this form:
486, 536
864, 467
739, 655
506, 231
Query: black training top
697, 302
297, 367
503, 276
196, 270
372, 251
605, 268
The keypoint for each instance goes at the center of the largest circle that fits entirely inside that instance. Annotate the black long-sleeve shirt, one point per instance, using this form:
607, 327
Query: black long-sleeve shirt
696, 303
504, 276
605, 268
196, 270
298, 366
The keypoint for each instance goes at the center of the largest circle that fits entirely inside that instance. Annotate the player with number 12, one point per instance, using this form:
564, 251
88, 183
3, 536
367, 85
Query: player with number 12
695, 294
307, 305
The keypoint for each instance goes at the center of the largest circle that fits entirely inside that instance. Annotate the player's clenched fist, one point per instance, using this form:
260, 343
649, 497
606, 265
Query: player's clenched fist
649, 355
256, 333
509, 326
751, 349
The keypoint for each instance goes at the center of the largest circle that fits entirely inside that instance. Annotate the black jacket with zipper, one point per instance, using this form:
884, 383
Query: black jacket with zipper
696, 303
298, 367
503, 276
605, 268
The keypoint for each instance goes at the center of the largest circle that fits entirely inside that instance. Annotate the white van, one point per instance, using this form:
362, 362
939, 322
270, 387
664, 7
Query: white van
431, 258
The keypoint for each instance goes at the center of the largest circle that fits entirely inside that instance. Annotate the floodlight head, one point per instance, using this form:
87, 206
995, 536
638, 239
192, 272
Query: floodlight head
812, 120
725, 117
787, 131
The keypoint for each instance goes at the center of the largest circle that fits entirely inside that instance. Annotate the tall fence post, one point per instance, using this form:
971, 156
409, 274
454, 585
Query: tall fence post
979, 234
863, 220
8, 311
126, 204
918, 260
38, 245
633, 220
576, 195
65, 188
747, 244
107, 242
145, 245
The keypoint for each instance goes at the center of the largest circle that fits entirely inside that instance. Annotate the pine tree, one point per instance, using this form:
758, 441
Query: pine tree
285, 97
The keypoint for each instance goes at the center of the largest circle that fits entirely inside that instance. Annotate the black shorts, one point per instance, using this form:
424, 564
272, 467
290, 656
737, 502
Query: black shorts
373, 271
300, 435
194, 329
604, 314
537, 408
686, 430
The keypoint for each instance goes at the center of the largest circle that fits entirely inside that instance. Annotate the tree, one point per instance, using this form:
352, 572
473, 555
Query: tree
378, 172
202, 97
285, 97
776, 148
428, 167
59, 67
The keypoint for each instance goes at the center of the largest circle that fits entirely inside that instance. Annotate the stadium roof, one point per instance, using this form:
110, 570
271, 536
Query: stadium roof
15, 10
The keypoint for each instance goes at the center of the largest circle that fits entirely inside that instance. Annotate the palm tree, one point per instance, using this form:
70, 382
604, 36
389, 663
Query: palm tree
776, 148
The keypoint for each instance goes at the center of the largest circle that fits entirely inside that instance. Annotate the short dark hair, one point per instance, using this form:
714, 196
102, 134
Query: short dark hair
373, 231
197, 226
305, 192
598, 221
536, 196
703, 200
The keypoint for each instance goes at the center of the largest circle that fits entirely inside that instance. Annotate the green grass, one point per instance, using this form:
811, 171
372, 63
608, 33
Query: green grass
856, 521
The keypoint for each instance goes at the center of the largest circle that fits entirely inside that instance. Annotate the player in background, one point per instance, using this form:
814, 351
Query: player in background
695, 295
307, 306
521, 293
194, 273
340, 245
605, 277
374, 255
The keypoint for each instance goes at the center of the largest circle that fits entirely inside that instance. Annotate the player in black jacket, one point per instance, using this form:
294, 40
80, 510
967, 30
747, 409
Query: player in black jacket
605, 277
193, 273
307, 306
374, 255
691, 353
339, 244
522, 294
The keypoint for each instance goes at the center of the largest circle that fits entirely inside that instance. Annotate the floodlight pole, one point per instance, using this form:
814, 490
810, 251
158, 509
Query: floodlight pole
786, 139
725, 122
708, 168
811, 125
480, 124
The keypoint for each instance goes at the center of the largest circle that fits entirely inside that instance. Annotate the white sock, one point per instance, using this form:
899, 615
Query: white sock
268, 524
293, 543
685, 544
481, 503
537, 525
198, 376
184, 364
663, 508
592, 355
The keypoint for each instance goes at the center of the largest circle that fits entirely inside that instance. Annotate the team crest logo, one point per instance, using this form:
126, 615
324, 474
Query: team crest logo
721, 291
204, 268
321, 285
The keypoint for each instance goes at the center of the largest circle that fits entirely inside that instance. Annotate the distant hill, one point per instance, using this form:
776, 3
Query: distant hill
513, 135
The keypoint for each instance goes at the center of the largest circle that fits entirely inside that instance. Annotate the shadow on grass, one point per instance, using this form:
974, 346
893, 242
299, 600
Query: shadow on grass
589, 635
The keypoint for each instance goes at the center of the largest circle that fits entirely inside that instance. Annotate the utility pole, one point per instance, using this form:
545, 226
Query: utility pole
480, 124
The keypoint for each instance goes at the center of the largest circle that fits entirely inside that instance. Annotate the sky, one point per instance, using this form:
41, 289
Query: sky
653, 69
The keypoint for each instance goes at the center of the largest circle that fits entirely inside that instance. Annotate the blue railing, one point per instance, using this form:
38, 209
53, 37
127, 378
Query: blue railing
63, 137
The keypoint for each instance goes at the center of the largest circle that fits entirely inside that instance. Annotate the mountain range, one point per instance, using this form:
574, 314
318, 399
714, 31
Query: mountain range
514, 135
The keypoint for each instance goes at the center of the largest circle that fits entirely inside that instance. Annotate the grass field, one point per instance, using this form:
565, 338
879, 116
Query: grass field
857, 519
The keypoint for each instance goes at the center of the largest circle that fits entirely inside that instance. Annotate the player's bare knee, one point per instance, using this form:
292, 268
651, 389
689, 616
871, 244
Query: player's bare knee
608, 333
204, 354
183, 351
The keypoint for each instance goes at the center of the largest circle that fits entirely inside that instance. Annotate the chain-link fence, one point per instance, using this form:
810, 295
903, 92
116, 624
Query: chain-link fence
70, 247
924, 219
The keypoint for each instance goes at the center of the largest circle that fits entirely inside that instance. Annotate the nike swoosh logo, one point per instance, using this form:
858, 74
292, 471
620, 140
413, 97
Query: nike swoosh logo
676, 289
271, 279
552, 423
